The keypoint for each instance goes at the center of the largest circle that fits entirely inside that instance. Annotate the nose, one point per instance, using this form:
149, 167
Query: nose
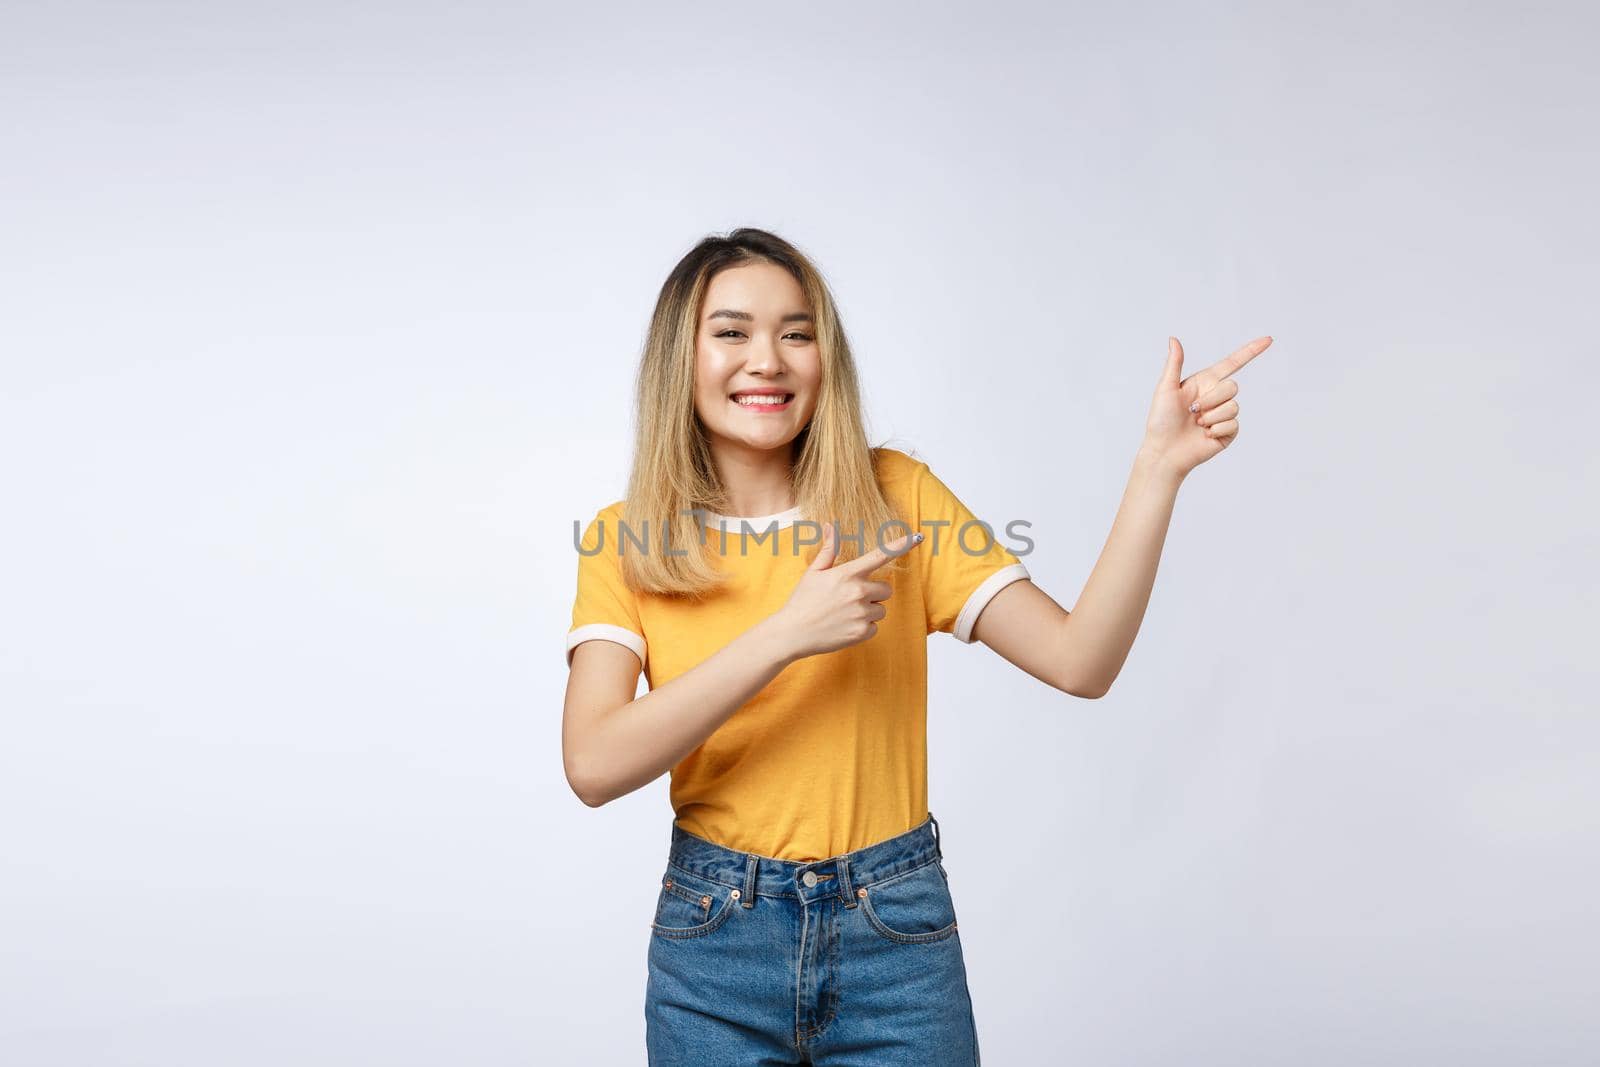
763, 357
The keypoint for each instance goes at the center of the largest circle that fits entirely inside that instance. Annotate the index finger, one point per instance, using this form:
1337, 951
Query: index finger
1238, 358
868, 562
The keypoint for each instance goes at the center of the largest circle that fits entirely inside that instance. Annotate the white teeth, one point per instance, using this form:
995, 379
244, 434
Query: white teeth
748, 399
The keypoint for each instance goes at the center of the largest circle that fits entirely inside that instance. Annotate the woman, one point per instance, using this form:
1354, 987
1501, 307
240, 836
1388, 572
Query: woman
776, 578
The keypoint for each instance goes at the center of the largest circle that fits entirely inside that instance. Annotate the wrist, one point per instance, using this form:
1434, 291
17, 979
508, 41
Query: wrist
1154, 464
774, 645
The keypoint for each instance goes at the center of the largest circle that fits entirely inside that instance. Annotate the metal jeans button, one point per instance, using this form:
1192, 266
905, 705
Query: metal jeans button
809, 878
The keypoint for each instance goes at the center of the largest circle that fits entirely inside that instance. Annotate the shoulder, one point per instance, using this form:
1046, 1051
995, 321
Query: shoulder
896, 468
602, 527
905, 480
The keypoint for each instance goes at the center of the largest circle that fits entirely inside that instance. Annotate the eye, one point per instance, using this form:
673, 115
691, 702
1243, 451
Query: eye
739, 333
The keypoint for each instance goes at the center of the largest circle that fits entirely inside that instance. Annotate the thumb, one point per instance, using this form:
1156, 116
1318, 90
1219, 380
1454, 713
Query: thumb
1173, 372
829, 549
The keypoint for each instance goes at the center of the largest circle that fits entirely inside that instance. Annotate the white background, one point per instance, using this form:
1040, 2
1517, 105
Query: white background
319, 323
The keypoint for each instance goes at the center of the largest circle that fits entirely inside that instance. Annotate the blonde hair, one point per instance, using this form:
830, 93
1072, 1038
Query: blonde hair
833, 468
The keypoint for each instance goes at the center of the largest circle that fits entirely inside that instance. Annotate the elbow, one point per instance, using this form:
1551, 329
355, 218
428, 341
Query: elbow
589, 794
586, 787
1100, 688
1087, 689
1074, 674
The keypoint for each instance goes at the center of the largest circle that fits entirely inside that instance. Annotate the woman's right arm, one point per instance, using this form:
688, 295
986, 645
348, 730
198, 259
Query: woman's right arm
612, 743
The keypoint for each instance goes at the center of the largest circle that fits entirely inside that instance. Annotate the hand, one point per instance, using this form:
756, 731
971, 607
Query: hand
835, 607
1196, 418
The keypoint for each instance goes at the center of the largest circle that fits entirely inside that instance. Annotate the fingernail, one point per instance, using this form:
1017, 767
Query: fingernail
1195, 406
916, 539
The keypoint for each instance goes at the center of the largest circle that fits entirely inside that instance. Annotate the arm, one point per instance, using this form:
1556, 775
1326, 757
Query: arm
613, 743
1082, 652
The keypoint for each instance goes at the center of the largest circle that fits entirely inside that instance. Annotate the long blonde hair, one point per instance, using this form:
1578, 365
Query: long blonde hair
833, 469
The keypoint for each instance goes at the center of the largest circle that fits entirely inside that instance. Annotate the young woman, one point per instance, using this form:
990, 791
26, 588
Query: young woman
776, 579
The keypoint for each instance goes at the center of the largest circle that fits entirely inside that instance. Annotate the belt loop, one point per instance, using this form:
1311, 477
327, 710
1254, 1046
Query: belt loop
846, 893
749, 894
938, 845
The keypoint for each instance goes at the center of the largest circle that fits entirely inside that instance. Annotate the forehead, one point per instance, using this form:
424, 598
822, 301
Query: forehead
757, 287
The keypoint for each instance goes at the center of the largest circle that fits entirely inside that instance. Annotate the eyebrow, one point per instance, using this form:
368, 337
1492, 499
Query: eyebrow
745, 316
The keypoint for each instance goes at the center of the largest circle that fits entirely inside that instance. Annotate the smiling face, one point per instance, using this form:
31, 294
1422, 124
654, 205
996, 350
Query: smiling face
755, 339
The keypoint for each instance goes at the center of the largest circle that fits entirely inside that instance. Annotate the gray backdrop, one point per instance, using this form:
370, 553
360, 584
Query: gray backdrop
319, 323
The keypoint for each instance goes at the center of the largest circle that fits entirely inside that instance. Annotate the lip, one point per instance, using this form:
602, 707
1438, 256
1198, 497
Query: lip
778, 404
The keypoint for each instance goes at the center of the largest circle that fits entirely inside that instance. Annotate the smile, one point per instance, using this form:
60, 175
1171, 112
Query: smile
763, 401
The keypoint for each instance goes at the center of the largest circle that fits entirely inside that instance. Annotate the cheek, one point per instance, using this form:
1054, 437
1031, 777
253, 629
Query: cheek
812, 376
716, 359
712, 371
705, 373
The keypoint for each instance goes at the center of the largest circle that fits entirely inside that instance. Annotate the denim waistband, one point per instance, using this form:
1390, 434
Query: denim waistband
765, 876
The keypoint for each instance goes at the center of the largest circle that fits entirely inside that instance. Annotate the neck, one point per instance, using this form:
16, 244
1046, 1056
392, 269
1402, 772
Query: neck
757, 481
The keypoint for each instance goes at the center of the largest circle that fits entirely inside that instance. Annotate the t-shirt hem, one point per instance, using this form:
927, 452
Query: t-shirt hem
980, 597
605, 631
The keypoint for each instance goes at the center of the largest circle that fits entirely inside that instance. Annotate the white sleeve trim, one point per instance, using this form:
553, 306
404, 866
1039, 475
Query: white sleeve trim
981, 596
605, 631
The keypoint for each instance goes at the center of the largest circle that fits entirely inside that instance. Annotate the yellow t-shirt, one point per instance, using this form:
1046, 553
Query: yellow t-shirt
832, 754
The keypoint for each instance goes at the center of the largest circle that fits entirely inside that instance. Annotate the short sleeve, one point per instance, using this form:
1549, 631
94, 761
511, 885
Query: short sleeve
605, 608
965, 564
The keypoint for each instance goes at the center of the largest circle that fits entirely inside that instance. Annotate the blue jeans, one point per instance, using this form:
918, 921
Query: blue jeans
852, 959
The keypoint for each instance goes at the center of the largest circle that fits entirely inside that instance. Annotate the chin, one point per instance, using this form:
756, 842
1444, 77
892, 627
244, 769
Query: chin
762, 444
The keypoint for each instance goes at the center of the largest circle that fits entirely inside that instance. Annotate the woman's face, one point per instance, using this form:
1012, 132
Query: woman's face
756, 336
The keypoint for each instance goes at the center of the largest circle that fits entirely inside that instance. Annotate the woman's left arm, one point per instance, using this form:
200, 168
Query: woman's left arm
1082, 651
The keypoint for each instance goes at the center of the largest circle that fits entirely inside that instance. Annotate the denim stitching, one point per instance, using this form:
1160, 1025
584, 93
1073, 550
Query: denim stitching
693, 898
898, 875
941, 934
894, 875
833, 1004
800, 976
674, 866
697, 931
938, 851
833, 987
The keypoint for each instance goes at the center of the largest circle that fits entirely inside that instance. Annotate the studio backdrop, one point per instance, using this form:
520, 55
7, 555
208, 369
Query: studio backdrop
319, 326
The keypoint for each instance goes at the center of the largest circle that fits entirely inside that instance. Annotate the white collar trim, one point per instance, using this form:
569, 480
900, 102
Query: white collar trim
757, 524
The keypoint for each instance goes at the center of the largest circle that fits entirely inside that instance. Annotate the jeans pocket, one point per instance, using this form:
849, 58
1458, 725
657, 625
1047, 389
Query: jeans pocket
911, 908
691, 906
